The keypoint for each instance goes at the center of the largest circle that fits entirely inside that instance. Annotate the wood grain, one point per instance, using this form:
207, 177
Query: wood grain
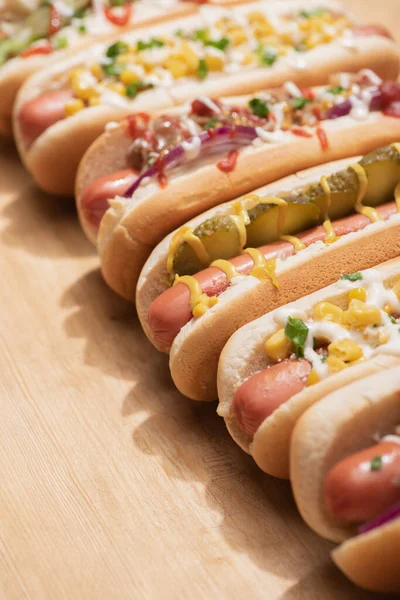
112, 484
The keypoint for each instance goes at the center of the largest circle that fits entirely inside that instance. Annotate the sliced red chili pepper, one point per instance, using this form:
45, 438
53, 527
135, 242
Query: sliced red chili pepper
316, 112
301, 132
44, 48
323, 138
307, 93
226, 165
137, 124
55, 20
120, 15
162, 178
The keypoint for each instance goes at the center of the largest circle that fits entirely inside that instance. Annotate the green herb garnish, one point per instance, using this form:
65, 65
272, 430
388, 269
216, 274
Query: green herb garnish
259, 108
200, 35
153, 43
133, 88
60, 43
202, 69
376, 463
393, 320
266, 57
112, 69
299, 103
179, 33
117, 2
296, 331
116, 49
221, 44
316, 12
336, 90
352, 276
211, 123
82, 29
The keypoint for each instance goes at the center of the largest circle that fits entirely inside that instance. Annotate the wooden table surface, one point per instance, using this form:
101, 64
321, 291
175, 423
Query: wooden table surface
113, 485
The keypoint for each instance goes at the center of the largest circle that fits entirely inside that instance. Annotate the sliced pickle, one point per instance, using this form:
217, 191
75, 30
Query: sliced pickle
220, 238
344, 190
264, 227
382, 167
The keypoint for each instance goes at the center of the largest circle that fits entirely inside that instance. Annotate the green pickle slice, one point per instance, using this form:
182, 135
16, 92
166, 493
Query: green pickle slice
382, 167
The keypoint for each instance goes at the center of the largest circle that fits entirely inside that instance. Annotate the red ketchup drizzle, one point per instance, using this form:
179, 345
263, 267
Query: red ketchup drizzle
137, 124
323, 138
226, 165
301, 132
44, 48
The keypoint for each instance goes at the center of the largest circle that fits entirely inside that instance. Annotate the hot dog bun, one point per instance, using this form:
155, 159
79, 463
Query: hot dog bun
43, 161
17, 70
341, 424
244, 356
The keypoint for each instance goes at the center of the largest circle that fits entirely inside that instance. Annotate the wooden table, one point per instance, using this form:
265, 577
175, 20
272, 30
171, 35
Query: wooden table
113, 486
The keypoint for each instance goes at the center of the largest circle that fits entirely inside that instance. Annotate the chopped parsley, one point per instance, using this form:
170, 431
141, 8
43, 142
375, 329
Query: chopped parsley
299, 103
393, 320
335, 90
221, 44
153, 43
202, 69
352, 276
316, 12
259, 108
133, 88
211, 123
112, 69
296, 331
200, 35
116, 49
266, 57
179, 33
376, 463
60, 43
82, 29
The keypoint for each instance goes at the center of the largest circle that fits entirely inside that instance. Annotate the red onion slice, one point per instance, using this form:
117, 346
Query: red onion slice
390, 515
219, 140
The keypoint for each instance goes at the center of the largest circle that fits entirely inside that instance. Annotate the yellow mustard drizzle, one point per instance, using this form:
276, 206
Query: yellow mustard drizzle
199, 302
185, 234
241, 219
283, 208
263, 269
397, 196
396, 146
297, 243
227, 267
367, 211
331, 236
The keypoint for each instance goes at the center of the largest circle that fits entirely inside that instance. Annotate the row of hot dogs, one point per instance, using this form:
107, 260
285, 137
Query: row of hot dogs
263, 140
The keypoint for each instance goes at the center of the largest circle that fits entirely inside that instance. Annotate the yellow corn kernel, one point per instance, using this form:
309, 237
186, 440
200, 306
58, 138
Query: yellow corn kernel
313, 378
248, 59
237, 37
126, 59
256, 17
214, 62
117, 87
335, 364
95, 101
177, 67
396, 288
358, 294
387, 308
263, 30
76, 73
360, 314
278, 346
127, 76
347, 350
313, 40
190, 57
73, 106
383, 337
326, 311
96, 70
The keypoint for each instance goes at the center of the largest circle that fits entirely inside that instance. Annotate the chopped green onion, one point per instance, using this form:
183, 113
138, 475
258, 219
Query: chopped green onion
116, 49
376, 463
297, 331
202, 69
352, 276
299, 103
259, 108
153, 43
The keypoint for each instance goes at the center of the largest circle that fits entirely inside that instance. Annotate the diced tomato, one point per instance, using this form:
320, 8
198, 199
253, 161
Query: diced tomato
43, 48
393, 110
372, 30
137, 124
55, 20
323, 138
390, 91
226, 165
201, 109
119, 15
307, 93
301, 132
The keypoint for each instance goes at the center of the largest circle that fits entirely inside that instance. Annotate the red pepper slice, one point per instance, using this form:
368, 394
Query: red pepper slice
301, 132
323, 138
44, 48
226, 165
120, 18
55, 20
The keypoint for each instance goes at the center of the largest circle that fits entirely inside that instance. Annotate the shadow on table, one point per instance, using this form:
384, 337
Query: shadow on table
255, 513
40, 224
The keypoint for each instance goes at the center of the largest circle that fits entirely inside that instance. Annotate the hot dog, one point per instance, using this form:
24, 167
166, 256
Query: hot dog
345, 470
258, 44
305, 350
35, 35
201, 311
